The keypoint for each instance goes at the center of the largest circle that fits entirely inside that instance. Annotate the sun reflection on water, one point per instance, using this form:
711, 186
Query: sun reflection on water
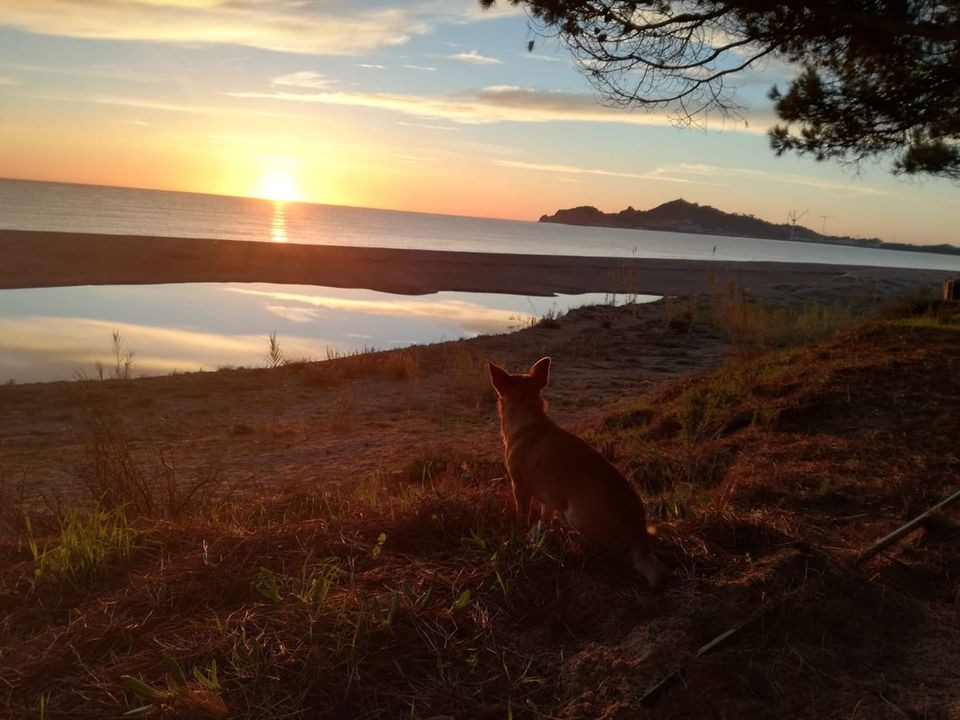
278, 228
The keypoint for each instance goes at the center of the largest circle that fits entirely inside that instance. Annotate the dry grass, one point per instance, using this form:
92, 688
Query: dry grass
143, 478
754, 325
411, 594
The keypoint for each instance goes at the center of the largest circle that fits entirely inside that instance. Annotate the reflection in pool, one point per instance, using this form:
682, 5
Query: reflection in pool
57, 333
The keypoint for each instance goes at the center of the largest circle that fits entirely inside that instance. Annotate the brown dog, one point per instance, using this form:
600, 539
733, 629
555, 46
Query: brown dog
567, 475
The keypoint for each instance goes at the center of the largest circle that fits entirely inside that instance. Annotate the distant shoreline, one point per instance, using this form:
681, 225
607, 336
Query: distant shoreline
680, 216
33, 259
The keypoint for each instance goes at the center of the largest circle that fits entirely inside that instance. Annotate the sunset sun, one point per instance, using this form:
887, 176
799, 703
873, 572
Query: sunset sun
279, 186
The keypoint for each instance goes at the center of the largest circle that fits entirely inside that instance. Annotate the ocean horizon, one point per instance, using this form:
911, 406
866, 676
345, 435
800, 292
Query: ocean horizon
70, 207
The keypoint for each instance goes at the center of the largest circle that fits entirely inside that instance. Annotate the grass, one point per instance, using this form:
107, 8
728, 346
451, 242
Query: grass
122, 360
320, 604
275, 355
88, 542
409, 593
198, 696
120, 472
468, 372
753, 325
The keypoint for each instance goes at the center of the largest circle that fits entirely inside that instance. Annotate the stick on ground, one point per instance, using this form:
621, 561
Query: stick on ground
906, 529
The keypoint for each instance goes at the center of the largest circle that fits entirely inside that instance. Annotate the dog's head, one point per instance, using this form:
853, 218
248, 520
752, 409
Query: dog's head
520, 388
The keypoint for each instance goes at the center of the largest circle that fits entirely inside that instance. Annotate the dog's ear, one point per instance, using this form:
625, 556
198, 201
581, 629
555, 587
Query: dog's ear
499, 377
540, 371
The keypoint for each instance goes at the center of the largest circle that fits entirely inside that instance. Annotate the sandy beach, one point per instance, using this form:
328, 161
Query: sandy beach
49, 259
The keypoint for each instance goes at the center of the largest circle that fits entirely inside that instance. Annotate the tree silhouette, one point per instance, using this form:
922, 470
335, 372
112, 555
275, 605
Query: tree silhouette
874, 77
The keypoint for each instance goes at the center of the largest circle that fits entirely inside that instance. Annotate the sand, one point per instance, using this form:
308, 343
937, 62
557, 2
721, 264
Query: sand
49, 259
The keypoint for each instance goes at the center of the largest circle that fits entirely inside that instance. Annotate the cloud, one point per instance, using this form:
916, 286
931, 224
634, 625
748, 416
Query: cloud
575, 170
280, 25
427, 126
720, 172
544, 58
372, 66
143, 104
302, 79
111, 72
701, 174
475, 58
7, 80
458, 13
498, 103
295, 26
425, 68
493, 104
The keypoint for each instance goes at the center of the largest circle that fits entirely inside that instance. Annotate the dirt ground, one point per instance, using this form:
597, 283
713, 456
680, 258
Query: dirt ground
766, 474
349, 418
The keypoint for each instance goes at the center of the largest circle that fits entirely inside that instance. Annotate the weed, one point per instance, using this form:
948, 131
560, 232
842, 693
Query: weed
88, 541
122, 358
550, 319
114, 474
521, 322
378, 548
752, 324
13, 496
403, 365
942, 323
316, 581
182, 699
341, 411
470, 379
679, 313
267, 585
275, 355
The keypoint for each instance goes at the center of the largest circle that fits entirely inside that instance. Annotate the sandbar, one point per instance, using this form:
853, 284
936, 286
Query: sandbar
32, 259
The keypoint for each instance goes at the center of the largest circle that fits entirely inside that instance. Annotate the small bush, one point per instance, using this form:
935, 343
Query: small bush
117, 473
752, 324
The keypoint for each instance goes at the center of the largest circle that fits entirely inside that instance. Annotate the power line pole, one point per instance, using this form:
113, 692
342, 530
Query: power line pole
823, 228
794, 216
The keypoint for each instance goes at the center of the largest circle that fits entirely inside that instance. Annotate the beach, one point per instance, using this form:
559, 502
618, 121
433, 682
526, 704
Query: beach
50, 259
763, 474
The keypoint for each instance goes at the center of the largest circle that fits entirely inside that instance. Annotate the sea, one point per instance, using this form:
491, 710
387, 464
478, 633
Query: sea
63, 333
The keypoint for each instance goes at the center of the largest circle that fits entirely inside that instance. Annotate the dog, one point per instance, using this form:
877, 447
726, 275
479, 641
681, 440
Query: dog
566, 474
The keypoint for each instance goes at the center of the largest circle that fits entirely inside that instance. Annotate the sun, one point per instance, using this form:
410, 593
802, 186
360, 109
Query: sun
279, 186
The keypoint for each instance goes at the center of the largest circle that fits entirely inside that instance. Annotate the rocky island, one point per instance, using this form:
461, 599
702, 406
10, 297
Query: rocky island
688, 217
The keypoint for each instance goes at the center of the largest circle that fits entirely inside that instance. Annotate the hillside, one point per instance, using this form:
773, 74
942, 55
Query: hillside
687, 217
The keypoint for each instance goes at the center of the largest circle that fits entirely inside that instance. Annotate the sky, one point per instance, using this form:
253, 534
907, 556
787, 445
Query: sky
428, 105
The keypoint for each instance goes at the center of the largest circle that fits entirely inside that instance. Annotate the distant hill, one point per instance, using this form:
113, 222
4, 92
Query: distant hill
687, 217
